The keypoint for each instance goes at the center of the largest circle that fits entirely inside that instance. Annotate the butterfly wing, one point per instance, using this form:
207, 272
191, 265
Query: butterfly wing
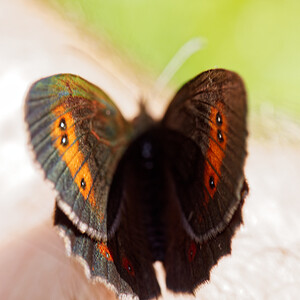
211, 111
96, 257
206, 160
188, 263
78, 136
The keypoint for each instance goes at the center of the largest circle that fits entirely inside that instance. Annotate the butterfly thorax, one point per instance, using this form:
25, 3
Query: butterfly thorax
143, 121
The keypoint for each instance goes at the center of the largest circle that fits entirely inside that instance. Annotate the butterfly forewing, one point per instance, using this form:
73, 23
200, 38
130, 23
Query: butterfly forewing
211, 111
78, 136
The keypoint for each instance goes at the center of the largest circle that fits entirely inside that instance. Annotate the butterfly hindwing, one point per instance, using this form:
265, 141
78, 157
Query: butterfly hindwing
78, 136
95, 255
190, 264
211, 111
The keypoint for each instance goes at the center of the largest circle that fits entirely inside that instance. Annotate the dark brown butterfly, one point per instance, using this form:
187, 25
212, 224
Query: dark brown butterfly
132, 193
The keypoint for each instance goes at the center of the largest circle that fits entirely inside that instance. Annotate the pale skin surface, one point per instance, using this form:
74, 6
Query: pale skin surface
33, 265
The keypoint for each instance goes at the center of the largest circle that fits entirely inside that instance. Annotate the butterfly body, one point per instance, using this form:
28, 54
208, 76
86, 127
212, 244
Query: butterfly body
132, 193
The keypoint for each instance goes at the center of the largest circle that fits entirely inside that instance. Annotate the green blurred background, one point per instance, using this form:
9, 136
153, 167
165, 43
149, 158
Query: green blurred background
258, 39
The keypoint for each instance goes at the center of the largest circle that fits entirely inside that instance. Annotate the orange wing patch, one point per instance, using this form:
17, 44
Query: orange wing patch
104, 251
215, 153
64, 137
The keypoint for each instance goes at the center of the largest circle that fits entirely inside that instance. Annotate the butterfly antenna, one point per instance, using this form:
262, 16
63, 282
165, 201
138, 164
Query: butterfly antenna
186, 51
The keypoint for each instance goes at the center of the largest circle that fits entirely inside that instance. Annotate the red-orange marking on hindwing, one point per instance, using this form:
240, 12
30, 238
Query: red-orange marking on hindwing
128, 266
70, 152
104, 251
215, 152
192, 251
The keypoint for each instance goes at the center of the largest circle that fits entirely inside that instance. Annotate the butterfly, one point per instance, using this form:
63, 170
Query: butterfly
132, 193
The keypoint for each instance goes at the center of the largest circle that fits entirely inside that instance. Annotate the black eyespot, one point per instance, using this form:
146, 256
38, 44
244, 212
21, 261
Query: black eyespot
220, 136
219, 119
64, 140
211, 182
127, 266
62, 124
82, 183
